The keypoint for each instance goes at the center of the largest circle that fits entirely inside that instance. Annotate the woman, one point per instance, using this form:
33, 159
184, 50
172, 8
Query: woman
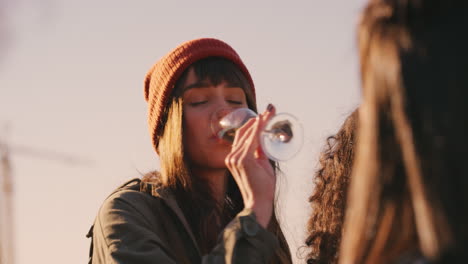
328, 201
408, 200
211, 202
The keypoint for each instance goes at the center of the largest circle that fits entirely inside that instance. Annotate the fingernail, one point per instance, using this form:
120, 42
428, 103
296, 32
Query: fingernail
270, 107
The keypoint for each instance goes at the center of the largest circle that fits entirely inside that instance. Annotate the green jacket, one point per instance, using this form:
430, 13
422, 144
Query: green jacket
141, 224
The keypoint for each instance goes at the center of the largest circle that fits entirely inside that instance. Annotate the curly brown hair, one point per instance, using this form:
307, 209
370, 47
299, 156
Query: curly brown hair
329, 198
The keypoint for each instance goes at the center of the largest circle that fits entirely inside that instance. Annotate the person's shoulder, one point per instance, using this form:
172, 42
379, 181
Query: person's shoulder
128, 191
129, 198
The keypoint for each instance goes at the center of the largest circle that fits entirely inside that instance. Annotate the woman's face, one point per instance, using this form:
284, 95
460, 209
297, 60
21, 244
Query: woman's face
200, 99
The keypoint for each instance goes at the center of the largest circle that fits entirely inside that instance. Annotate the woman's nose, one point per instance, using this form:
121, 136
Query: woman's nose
221, 103
219, 113
216, 117
223, 111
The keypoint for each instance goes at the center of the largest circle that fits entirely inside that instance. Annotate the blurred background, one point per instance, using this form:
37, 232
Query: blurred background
73, 118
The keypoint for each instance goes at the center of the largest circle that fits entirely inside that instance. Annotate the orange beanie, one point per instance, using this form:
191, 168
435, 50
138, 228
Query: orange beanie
161, 78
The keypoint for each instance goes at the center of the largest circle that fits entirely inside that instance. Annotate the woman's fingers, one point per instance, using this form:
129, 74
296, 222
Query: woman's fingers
263, 121
241, 132
246, 142
235, 160
258, 125
250, 167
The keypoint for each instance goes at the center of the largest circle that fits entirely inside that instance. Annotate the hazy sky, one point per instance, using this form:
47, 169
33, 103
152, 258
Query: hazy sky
71, 82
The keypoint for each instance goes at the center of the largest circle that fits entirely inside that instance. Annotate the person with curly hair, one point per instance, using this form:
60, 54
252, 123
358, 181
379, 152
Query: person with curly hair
328, 200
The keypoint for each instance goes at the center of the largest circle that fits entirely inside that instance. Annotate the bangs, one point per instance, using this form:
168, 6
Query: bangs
216, 70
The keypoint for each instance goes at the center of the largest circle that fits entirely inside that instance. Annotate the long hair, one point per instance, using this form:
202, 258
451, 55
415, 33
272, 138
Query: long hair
206, 218
328, 201
409, 171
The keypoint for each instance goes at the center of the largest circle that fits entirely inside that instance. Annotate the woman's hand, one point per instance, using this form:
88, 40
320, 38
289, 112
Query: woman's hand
251, 168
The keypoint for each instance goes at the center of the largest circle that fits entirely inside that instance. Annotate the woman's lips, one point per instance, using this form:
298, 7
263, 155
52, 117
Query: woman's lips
219, 140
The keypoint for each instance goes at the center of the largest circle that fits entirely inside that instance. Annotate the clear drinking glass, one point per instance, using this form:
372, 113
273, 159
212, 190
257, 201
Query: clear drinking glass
280, 140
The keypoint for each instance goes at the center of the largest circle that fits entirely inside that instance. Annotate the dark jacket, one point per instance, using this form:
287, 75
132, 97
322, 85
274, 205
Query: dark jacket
142, 224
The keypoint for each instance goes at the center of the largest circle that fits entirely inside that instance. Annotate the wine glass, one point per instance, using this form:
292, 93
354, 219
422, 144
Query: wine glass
280, 140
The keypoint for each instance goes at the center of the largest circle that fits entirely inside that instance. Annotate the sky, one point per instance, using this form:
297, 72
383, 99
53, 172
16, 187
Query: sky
73, 113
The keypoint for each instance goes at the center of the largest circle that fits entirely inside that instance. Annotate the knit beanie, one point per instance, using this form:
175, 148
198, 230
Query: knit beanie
162, 77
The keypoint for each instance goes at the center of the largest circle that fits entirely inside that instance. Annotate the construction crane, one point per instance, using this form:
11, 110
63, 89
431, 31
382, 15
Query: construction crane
7, 235
6, 208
